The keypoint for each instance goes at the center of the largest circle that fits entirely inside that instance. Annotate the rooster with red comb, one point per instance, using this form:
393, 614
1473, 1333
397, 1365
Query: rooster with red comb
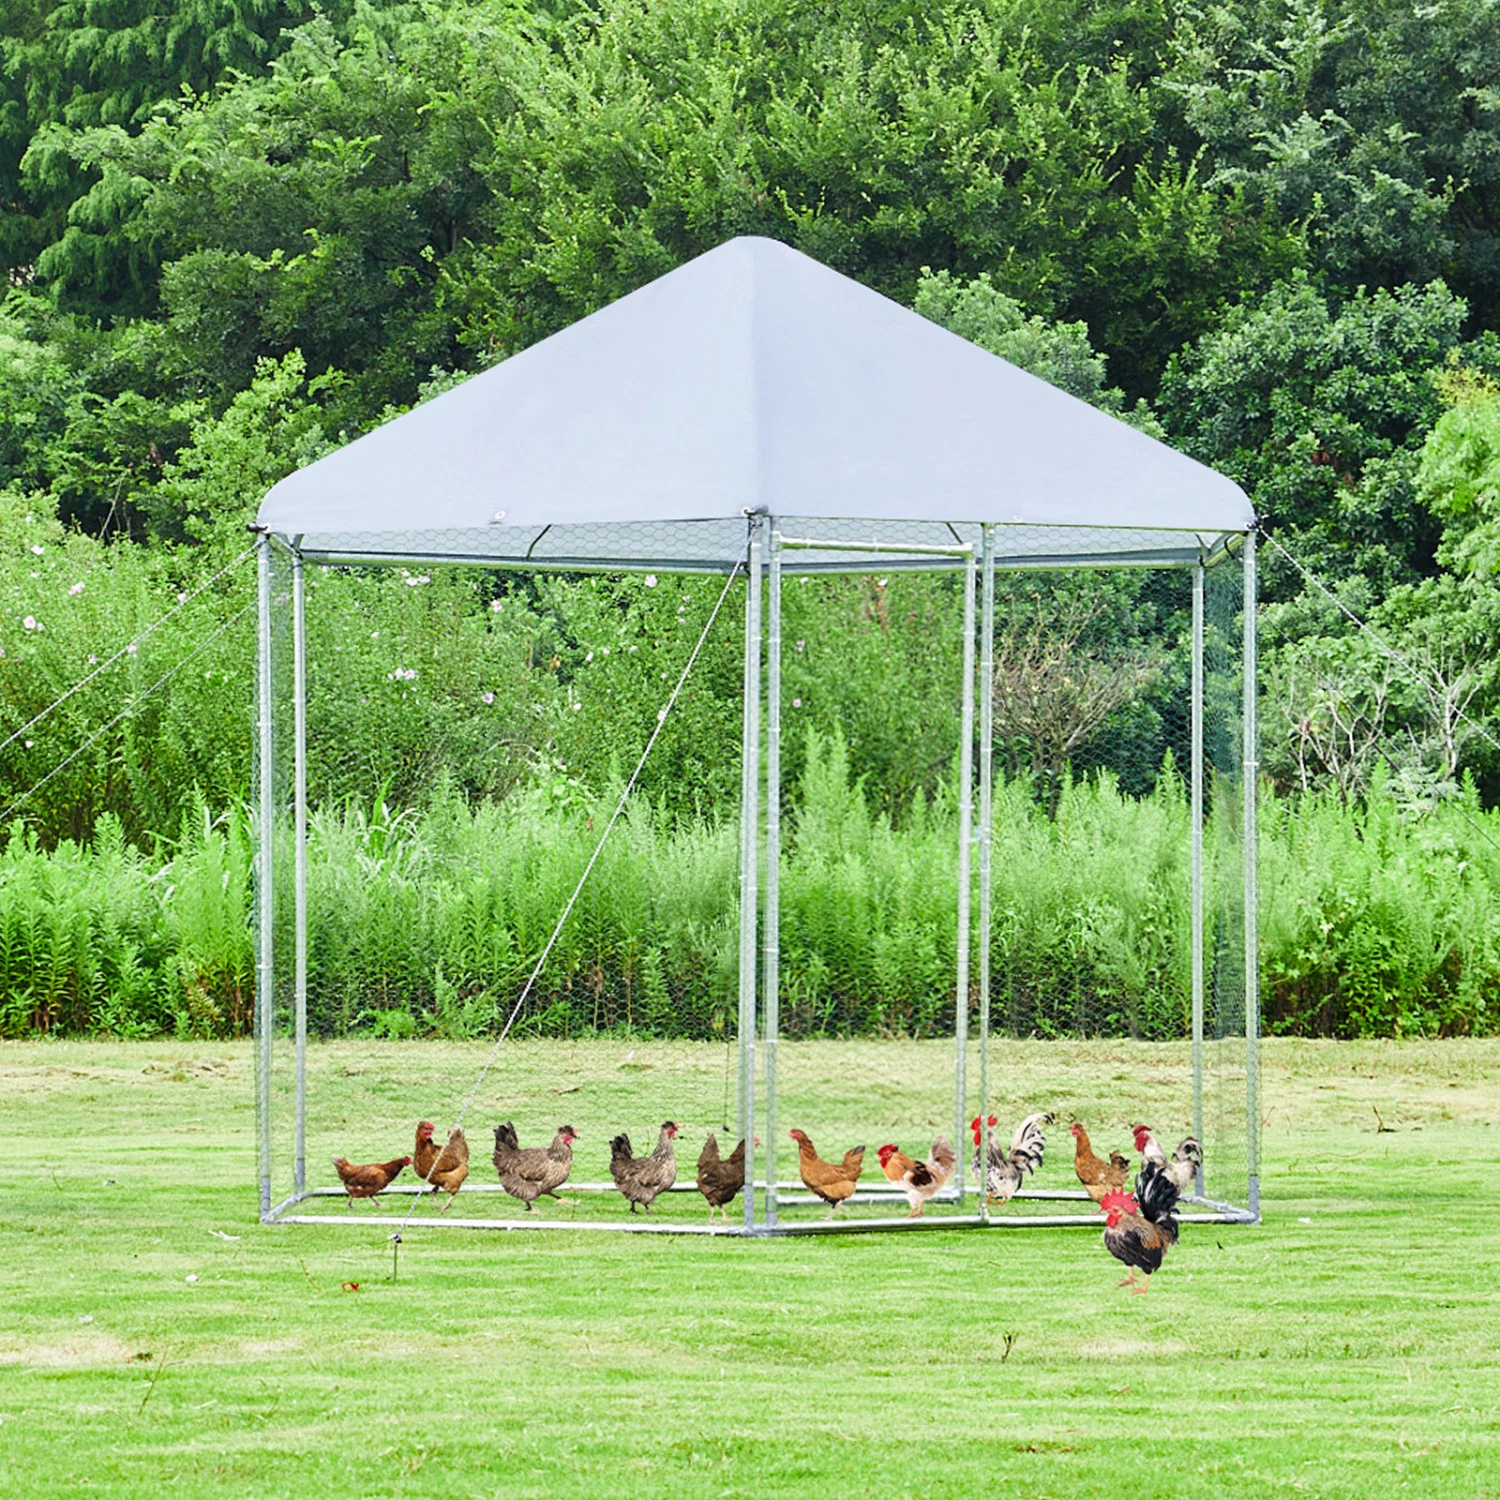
1140, 1228
1007, 1169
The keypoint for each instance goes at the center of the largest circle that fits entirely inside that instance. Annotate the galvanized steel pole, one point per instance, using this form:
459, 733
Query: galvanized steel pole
265, 823
1251, 767
1196, 814
299, 696
986, 821
749, 857
965, 837
770, 951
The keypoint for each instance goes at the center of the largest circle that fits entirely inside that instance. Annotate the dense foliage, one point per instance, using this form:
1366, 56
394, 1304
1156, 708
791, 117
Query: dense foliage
238, 232
432, 924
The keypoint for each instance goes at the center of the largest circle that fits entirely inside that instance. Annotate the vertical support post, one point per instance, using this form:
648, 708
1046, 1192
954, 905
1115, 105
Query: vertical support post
1196, 814
1251, 770
965, 841
264, 905
299, 699
771, 945
749, 853
986, 822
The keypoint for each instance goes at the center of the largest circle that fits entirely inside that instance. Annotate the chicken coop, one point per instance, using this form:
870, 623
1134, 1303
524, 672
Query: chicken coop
763, 425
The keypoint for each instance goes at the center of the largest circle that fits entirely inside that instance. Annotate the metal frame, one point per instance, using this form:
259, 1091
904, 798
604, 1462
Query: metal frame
759, 913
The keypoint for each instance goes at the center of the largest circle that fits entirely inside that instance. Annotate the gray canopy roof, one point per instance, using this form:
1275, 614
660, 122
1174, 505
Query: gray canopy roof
752, 379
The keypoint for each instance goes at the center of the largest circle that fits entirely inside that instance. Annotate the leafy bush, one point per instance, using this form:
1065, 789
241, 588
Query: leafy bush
1374, 922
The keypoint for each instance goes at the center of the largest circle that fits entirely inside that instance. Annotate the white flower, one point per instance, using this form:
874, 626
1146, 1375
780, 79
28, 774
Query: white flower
578, 708
661, 716
76, 589
181, 598
130, 649
880, 582
650, 580
30, 623
589, 657
801, 645
38, 551
420, 578
634, 649
374, 635
486, 697
495, 606
93, 661
796, 703
604, 651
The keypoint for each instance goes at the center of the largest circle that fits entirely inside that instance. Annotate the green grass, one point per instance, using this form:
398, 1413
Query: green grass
1346, 1347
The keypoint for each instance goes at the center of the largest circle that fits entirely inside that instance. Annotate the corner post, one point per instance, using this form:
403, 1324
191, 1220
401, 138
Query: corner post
1251, 766
986, 822
1196, 835
265, 822
749, 858
299, 699
965, 841
771, 943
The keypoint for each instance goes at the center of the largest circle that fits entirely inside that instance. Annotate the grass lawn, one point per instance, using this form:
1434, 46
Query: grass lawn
156, 1340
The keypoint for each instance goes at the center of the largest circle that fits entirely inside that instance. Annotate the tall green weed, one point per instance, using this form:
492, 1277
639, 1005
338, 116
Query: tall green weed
1373, 921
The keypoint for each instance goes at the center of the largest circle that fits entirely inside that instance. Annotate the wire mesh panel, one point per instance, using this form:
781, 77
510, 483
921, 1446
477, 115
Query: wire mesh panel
461, 881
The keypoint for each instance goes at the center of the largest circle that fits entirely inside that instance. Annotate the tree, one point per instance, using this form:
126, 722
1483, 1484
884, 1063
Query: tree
1370, 126
67, 65
1459, 473
1319, 409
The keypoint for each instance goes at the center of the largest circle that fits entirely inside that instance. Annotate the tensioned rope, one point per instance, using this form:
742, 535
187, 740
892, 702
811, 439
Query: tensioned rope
1406, 666
1381, 644
129, 709
662, 715
127, 648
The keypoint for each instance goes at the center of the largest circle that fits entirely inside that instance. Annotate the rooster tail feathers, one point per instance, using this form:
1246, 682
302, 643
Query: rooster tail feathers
1029, 1142
1156, 1193
943, 1156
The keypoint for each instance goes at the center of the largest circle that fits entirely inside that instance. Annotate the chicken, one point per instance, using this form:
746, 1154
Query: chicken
1008, 1169
641, 1178
1098, 1177
921, 1179
529, 1174
366, 1181
1186, 1159
833, 1184
445, 1171
721, 1177
1139, 1230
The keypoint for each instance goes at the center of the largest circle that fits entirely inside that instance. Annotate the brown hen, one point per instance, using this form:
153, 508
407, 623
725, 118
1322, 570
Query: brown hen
443, 1170
1098, 1177
833, 1184
365, 1181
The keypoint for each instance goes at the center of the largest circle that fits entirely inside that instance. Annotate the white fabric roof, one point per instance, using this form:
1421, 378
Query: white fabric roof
752, 379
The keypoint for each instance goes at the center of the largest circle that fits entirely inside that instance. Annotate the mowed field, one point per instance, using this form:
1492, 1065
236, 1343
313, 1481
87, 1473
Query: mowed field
155, 1339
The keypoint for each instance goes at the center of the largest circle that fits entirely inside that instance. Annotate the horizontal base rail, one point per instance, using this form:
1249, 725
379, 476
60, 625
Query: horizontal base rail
876, 1192
637, 1224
